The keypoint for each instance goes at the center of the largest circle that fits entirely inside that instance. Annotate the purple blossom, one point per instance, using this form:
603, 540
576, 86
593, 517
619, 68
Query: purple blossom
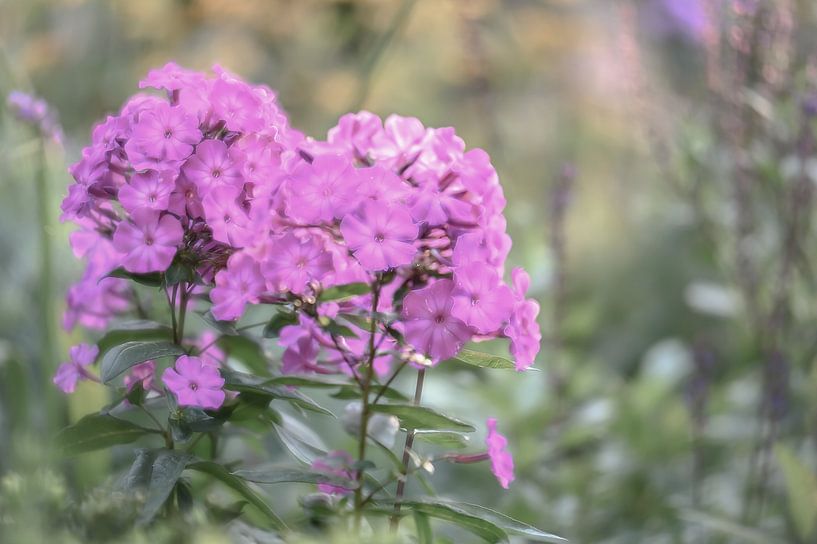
501, 459
381, 237
335, 463
293, 263
149, 190
149, 242
213, 166
481, 300
523, 329
164, 132
323, 190
70, 373
225, 215
430, 326
195, 383
236, 286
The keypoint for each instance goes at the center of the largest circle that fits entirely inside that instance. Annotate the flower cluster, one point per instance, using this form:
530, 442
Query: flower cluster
210, 177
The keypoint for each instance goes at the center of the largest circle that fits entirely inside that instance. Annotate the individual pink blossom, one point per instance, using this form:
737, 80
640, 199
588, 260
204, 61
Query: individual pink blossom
235, 103
236, 286
501, 459
195, 383
69, 374
429, 324
150, 190
226, 216
380, 236
213, 166
164, 132
149, 242
292, 263
335, 463
142, 373
481, 300
322, 190
301, 357
523, 329
171, 77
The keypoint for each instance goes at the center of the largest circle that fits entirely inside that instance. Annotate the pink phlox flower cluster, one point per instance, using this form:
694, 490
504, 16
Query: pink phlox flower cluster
210, 172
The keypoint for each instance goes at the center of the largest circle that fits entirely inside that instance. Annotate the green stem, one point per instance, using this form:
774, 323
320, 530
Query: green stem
182, 310
401, 483
365, 411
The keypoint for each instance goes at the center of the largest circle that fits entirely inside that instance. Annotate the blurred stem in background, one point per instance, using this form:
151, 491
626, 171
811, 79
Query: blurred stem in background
377, 51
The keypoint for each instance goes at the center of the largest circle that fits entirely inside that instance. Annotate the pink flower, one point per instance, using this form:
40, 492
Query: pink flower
171, 77
213, 166
238, 284
429, 324
380, 236
523, 329
164, 132
335, 463
481, 299
501, 459
292, 263
195, 383
68, 374
225, 215
142, 373
150, 190
323, 190
149, 242
235, 103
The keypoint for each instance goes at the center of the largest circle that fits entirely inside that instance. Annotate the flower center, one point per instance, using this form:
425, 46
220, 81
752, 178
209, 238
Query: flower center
168, 134
379, 238
152, 197
148, 240
227, 218
474, 300
216, 173
194, 386
439, 319
301, 264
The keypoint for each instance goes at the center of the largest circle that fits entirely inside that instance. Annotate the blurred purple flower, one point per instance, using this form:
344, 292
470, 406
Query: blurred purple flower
36, 112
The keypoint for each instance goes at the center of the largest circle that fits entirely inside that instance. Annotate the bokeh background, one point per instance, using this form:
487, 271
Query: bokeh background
658, 164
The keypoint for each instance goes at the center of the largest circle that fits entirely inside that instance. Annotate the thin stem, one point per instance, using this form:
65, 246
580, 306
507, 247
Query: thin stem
182, 311
389, 381
401, 484
171, 302
365, 411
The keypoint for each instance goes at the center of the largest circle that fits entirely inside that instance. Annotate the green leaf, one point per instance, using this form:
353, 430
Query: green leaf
138, 476
483, 528
483, 360
122, 357
132, 331
237, 484
98, 431
240, 381
506, 523
167, 469
272, 474
447, 439
335, 328
151, 279
179, 272
247, 351
801, 488
352, 391
278, 321
420, 417
423, 526
298, 447
343, 292
224, 327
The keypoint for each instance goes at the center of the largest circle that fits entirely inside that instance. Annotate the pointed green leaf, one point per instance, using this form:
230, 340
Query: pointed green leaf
420, 417
224, 327
447, 439
483, 360
98, 431
151, 279
246, 350
483, 528
278, 321
343, 292
272, 474
132, 331
167, 468
122, 357
507, 523
237, 484
423, 526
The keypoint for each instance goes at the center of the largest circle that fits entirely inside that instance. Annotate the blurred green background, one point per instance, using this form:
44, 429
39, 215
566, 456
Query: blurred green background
661, 414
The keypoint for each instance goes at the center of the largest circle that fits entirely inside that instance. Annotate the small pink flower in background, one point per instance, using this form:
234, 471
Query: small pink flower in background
208, 350
150, 190
213, 166
149, 242
142, 373
523, 329
195, 383
501, 459
236, 286
324, 189
69, 374
35, 111
164, 132
481, 299
380, 236
430, 326
293, 263
335, 463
